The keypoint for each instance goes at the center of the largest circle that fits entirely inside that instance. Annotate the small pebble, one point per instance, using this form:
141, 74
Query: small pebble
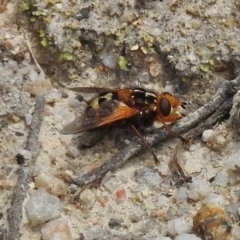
149, 177
236, 233
233, 210
72, 151
94, 234
74, 103
199, 189
52, 96
207, 134
51, 184
143, 77
57, 229
134, 217
233, 167
15, 118
164, 238
20, 159
187, 236
121, 195
89, 73
216, 140
42, 207
87, 199
13, 65
6, 73
26, 154
164, 169
83, 13
33, 75
221, 179
109, 61
215, 199
178, 226
182, 195
162, 200
155, 69
28, 119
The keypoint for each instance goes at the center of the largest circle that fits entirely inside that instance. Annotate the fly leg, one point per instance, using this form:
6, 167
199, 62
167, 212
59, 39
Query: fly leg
145, 143
174, 133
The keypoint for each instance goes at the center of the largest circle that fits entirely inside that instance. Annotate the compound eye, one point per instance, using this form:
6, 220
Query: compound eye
165, 106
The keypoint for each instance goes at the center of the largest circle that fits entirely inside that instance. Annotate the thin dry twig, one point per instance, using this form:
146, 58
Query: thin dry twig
24, 172
33, 56
177, 163
206, 116
216, 117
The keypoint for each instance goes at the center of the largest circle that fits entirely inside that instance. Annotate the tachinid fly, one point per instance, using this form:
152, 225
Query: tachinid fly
126, 106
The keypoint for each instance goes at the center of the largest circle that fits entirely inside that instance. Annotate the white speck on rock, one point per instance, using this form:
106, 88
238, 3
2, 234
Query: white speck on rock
207, 134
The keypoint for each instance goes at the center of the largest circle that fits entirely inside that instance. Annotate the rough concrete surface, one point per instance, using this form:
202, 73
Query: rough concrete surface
185, 47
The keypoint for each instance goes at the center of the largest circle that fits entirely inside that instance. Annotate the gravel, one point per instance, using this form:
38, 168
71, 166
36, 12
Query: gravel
184, 47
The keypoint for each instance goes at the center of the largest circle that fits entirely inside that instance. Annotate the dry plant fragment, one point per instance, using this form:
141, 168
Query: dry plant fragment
33, 56
212, 223
177, 163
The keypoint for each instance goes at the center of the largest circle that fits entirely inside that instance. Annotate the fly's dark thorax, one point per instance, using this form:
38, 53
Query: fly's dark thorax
141, 98
146, 102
